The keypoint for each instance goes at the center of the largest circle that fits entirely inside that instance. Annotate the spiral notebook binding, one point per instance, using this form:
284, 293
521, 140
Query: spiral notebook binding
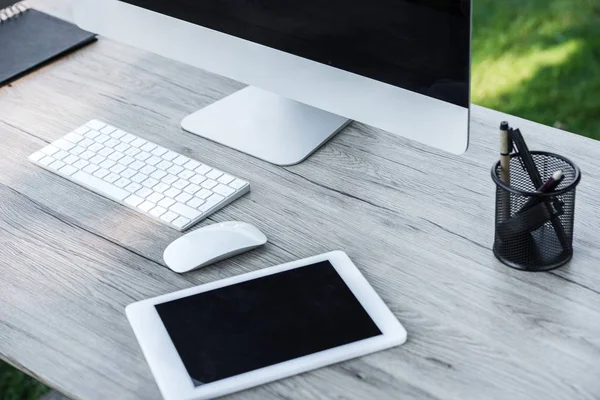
13, 11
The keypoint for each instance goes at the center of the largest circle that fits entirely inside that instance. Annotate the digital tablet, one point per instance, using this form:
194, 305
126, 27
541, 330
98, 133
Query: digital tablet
236, 333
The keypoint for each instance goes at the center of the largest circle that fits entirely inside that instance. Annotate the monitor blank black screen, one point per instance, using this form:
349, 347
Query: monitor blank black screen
262, 322
419, 45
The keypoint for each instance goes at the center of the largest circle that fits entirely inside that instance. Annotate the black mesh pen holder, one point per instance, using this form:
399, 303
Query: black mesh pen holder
533, 230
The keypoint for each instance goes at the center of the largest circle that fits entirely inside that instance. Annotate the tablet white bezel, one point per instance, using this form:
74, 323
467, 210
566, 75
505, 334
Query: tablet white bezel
171, 375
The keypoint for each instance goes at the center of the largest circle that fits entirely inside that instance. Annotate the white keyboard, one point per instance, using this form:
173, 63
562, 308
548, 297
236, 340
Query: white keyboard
164, 185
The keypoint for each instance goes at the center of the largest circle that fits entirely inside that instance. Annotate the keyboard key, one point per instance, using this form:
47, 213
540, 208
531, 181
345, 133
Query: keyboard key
132, 151
169, 216
150, 182
215, 198
203, 169
59, 155
112, 143
223, 190
147, 169
186, 174
184, 197
116, 156
92, 134
126, 160
184, 210
180, 184
122, 147
237, 184
96, 147
159, 151
107, 130
118, 168
148, 147
158, 174
77, 150
73, 137
128, 138
143, 156
104, 187
155, 197
101, 173
166, 202
139, 178
68, 170
134, 200
180, 222
197, 179
133, 187
63, 144
153, 160
137, 164
86, 155
160, 187
195, 202
102, 138
169, 155
175, 169
112, 177
47, 160
164, 165
95, 124
70, 159
122, 182
169, 179
38, 155
214, 174
118, 134
226, 179
146, 206
172, 193
191, 188
97, 159
128, 173
49, 150
191, 165
209, 184
57, 165
82, 130
105, 152
145, 192
180, 160
85, 143
90, 169
138, 142
158, 211
203, 194
107, 164
80, 164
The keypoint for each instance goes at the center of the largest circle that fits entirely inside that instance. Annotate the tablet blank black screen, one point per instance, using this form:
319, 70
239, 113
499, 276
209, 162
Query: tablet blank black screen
254, 324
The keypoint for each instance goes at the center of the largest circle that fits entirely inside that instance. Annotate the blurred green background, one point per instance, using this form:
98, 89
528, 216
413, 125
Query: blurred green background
538, 59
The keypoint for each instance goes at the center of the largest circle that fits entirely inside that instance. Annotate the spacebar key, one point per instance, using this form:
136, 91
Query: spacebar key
99, 185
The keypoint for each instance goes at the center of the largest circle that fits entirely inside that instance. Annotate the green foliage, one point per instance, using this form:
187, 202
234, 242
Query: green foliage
15, 385
539, 59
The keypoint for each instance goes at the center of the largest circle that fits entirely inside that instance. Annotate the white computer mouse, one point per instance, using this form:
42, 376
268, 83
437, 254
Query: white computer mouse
212, 243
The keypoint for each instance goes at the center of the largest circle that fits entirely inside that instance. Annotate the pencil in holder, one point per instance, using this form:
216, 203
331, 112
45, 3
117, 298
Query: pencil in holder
534, 230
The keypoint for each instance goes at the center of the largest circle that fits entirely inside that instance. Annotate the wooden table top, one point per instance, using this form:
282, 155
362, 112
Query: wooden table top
417, 222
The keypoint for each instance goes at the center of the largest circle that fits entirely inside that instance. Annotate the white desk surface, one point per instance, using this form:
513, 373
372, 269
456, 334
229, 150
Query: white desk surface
417, 222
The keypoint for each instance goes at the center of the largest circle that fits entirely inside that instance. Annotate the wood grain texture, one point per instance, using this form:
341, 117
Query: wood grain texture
70, 260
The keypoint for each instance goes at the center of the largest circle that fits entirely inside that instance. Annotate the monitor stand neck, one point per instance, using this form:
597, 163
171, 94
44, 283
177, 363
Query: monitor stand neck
265, 125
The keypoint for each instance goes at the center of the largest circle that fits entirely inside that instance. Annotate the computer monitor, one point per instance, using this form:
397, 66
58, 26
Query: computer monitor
312, 66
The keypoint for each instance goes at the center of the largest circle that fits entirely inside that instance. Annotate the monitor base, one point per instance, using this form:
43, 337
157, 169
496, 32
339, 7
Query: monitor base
267, 126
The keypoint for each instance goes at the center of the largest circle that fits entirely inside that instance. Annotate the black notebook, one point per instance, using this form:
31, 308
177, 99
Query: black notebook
30, 38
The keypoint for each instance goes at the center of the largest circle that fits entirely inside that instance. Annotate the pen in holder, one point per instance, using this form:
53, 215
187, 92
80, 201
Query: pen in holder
534, 230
